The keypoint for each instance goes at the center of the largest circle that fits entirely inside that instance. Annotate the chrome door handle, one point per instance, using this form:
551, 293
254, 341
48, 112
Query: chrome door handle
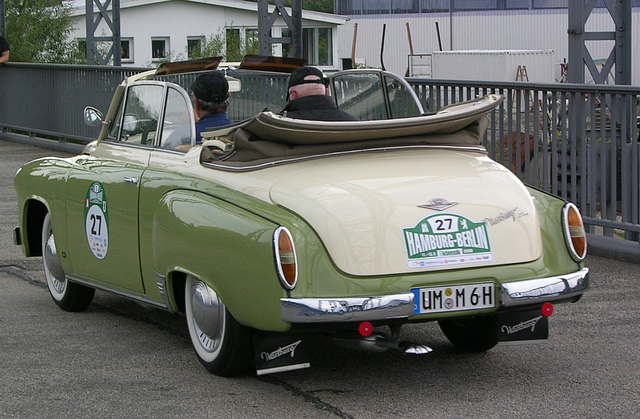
129, 179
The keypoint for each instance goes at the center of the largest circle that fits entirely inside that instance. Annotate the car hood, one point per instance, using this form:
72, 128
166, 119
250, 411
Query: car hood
415, 210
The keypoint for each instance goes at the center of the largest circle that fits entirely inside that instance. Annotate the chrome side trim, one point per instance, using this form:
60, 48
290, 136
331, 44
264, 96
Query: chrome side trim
325, 310
161, 281
545, 289
125, 294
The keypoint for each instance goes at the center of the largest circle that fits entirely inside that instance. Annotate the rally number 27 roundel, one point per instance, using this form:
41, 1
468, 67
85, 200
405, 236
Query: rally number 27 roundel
444, 239
96, 220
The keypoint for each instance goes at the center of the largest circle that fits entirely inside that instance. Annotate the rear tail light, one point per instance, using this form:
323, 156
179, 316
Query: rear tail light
286, 262
574, 232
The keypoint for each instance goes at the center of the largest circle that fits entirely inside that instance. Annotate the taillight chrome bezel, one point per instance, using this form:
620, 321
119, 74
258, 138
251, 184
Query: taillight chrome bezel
574, 232
286, 258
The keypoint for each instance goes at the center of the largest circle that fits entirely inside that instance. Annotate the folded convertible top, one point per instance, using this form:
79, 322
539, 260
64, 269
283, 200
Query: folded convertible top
269, 137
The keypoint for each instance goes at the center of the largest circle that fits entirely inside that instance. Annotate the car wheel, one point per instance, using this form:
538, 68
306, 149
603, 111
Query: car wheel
473, 334
222, 344
67, 295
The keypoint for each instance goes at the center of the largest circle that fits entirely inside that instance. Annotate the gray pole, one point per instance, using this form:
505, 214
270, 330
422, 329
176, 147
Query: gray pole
575, 72
451, 6
620, 56
623, 42
94, 56
293, 21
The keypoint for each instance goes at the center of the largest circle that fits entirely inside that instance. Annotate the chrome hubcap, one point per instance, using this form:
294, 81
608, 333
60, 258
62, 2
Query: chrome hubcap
208, 316
54, 271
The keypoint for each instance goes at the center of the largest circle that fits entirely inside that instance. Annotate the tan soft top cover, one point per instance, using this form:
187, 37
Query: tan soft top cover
269, 137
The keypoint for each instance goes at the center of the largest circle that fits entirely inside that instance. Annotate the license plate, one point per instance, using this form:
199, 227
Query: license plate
454, 298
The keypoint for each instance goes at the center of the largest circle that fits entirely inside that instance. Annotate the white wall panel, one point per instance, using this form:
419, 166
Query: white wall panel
509, 30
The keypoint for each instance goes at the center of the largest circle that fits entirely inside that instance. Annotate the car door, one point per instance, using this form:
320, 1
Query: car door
103, 189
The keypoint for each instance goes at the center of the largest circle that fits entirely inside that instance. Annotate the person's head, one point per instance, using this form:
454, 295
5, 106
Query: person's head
211, 92
306, 81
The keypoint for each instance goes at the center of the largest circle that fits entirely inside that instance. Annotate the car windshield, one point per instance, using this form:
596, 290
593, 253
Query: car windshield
374, 96
261, 90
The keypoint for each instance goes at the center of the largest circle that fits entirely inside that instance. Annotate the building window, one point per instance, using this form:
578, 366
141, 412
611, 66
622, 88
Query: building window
317, 45
194, 46
159, 48
251, 38
126, 50
104, 47
82, 47
232, 47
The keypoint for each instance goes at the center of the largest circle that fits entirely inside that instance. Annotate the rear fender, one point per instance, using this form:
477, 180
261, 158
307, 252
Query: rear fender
40, 188
225, 246
556, 254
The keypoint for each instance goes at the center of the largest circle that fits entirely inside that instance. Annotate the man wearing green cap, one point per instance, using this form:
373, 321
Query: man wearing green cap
308, 98
211, 99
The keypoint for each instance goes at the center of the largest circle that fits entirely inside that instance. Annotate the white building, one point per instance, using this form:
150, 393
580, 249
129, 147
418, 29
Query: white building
516, 29
156, 30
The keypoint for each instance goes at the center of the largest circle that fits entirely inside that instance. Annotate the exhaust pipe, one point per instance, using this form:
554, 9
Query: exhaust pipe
378, 342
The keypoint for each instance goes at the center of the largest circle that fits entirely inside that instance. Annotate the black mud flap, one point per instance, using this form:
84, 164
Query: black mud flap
524, 327
280, 353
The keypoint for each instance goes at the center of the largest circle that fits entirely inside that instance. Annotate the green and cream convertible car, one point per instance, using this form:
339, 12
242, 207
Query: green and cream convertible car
275, 229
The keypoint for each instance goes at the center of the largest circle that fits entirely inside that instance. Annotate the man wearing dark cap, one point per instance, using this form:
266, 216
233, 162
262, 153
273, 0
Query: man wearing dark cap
308, 98
211, 99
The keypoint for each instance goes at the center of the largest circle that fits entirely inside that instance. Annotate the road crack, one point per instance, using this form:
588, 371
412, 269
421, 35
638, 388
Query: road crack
309, 396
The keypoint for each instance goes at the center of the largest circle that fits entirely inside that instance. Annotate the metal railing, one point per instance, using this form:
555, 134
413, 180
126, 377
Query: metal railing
48, 99
577, 141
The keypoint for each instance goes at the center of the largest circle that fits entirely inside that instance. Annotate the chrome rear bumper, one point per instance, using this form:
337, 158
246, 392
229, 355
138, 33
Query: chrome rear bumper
352, 309
545, 289
355, 309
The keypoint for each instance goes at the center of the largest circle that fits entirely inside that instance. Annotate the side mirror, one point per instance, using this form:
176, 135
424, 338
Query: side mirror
234, 84
92, 116
130, 123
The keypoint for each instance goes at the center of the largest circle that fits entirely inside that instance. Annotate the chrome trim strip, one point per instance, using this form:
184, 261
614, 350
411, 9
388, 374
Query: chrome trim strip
545, 289
353, 309
134, 297
161, 281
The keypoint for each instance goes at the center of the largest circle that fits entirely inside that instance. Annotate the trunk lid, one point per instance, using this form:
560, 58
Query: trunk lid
415, 210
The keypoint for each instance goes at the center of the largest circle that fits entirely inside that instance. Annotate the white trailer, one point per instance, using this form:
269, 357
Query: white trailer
487, 65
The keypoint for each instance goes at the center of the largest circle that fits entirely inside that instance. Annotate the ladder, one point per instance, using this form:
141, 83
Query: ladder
522, 75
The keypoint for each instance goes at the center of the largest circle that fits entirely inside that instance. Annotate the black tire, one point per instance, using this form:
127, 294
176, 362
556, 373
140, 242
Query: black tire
222, 344
472, 334
67, 295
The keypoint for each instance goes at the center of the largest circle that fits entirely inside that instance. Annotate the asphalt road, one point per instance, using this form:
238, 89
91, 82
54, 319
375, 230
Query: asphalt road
119, 359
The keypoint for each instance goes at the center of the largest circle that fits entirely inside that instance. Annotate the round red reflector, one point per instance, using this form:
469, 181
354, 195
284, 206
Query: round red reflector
365, 329
547, 309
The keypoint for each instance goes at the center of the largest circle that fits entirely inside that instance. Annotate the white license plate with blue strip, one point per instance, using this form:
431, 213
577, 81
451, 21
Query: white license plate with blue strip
454, 298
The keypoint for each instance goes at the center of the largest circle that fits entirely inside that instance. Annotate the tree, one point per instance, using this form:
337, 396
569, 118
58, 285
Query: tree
318, 5
38, 31
228, 43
